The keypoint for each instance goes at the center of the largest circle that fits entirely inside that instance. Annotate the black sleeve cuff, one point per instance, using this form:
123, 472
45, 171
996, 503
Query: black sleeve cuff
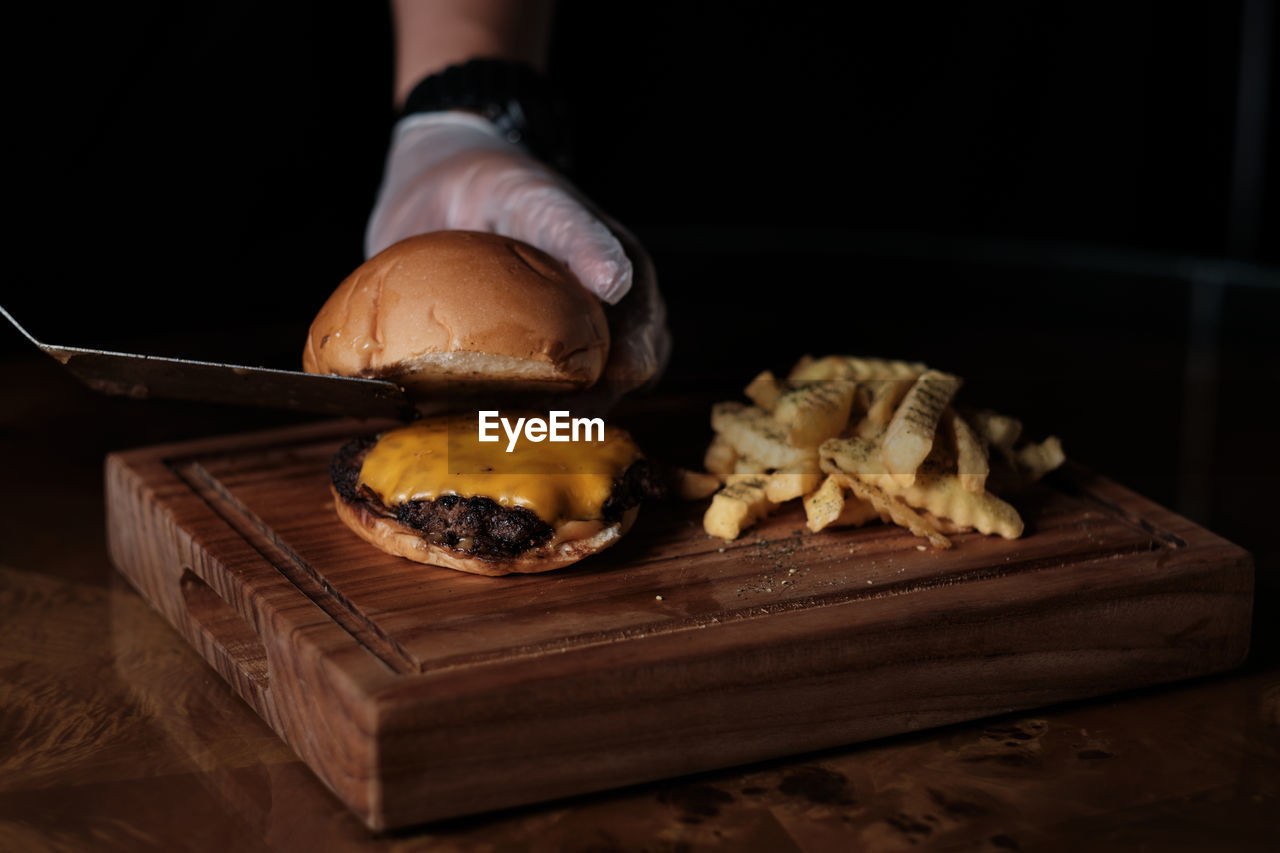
518, 99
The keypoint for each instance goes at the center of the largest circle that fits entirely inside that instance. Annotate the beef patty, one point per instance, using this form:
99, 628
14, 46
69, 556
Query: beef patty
478, 526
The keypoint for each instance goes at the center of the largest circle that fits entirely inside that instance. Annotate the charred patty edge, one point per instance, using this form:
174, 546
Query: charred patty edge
475, 526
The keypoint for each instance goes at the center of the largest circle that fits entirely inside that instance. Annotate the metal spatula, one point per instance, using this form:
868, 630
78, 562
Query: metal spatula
143, 376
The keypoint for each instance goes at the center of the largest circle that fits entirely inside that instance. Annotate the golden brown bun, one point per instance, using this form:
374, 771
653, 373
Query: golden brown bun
463, 311
389, 535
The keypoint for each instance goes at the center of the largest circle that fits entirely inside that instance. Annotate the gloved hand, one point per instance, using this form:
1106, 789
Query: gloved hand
453, 169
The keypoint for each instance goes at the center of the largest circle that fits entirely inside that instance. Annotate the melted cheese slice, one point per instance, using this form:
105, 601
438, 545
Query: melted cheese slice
559, 481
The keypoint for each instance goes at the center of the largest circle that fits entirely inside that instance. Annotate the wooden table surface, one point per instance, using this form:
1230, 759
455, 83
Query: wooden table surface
115, 735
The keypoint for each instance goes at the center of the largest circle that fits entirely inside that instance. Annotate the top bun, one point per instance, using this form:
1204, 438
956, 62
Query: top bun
461, 310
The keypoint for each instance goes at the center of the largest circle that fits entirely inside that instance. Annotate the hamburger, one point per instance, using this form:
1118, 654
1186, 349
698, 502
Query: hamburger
462, 312
458, 314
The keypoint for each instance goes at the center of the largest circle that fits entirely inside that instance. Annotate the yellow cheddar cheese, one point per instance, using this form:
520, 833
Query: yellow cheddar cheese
443, 455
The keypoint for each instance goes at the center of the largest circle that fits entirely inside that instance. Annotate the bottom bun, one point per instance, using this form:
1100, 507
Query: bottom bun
387, 534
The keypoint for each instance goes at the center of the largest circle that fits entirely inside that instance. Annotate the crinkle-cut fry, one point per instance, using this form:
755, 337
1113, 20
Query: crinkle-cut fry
897, 511
695, 485
881, 382
868, 429
752, 432
884, 397
853, 455
737, 506
748, 465
765, 389
910, 434
815, 411
972, 464
825, 505
859, 454
1000, 431
748, 479
945, 525
851, 367
829, 507
941, 494
789, 483
856, 513
809, 369
1035, 460
720, 457
935, 490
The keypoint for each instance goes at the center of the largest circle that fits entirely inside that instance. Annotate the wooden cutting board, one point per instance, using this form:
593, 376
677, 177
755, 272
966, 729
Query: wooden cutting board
418, 693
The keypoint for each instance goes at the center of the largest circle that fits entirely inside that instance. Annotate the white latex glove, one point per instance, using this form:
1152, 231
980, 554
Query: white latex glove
455, 170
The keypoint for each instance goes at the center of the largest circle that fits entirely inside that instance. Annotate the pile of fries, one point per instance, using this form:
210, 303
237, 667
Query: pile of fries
861, 439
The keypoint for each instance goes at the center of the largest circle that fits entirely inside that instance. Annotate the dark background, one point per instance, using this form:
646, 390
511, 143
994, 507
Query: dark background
1059, 201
